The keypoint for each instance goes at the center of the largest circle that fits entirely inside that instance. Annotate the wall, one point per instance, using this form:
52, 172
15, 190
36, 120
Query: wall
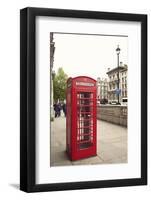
112, 113
9, 101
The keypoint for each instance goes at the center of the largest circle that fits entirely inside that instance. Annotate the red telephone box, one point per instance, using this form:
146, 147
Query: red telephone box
81, 117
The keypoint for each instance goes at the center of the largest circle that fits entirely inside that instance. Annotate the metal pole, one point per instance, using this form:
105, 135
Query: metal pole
118, 76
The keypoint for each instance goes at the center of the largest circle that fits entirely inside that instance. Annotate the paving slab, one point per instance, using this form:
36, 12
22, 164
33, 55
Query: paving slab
111, 144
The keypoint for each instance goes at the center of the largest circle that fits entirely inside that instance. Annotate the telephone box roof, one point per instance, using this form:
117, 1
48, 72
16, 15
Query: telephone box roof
79, 77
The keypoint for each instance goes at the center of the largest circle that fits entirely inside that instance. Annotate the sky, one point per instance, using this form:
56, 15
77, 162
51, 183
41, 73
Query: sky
88, 55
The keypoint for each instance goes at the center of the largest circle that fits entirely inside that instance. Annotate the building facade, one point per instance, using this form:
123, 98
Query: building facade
52, 73
102, 88
113, 90
124, 77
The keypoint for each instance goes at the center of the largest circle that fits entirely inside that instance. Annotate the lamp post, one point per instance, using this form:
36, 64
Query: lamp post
118, 90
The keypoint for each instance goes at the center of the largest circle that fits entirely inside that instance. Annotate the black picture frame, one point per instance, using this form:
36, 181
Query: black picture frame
28, 98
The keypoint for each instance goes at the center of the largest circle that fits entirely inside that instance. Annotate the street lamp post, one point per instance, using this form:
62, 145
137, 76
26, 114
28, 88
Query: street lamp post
118, 90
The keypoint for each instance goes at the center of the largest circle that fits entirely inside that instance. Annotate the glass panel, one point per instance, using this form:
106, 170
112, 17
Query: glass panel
84, 119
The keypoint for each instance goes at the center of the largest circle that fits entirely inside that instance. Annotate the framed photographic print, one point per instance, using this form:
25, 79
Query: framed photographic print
83, 99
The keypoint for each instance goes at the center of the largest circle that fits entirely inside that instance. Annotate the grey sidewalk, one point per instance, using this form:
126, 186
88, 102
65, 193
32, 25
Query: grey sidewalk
111, 144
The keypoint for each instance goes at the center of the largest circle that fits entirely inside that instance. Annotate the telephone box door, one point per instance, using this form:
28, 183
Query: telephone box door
86, 124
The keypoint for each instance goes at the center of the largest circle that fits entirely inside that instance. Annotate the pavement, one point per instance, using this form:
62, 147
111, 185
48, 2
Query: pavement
111, 144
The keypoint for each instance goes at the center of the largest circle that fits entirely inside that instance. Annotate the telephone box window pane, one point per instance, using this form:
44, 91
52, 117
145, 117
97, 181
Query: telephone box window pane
85, 119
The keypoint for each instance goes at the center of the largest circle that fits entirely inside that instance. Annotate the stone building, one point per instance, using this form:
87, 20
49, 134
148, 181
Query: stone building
102, 88
124, 75
52, 73
113, 83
